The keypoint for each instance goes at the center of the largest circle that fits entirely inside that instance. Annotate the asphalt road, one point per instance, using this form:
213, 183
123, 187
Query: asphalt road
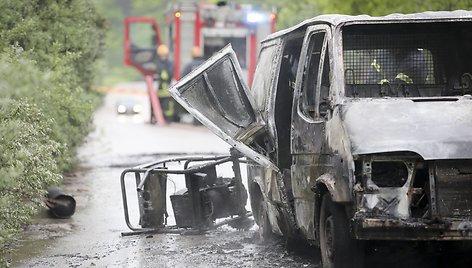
92, 237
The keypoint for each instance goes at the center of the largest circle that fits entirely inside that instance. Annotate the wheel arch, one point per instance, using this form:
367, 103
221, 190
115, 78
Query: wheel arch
327, 184
338, 189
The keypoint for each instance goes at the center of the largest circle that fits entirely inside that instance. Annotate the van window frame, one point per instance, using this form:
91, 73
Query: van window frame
264, 104
303, 67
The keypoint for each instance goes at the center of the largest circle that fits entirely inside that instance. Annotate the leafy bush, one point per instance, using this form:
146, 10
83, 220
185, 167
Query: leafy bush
50, 30
27, 164
70, 108
48, 50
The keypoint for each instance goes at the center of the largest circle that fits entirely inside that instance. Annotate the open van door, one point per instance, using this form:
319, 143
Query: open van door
216, 94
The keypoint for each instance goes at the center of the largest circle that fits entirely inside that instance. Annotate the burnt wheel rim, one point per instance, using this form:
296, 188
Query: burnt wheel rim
329, 237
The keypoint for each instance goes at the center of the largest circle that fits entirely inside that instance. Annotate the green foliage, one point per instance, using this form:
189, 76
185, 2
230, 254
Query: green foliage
52, 29
27, 163
293, 12
48, 51
71, 108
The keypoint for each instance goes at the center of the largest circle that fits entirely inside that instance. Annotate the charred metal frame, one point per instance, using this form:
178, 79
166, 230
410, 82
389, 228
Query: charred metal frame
432, 189
379, 223
144, 172
325, 150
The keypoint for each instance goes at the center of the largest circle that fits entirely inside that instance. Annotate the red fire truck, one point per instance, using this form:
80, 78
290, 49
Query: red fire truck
208, 26
212, 26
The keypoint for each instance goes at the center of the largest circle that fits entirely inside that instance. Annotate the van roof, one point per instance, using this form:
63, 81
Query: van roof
337, 20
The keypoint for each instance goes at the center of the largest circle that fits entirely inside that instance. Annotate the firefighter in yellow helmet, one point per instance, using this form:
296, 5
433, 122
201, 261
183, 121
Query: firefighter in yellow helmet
164, 76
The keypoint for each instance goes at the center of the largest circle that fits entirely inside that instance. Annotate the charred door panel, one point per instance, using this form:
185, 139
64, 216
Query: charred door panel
454, 188
305, 169
217, 96
308, 124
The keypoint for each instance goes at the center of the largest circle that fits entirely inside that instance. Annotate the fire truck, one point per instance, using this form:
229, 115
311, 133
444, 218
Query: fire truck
211, 27
188, 24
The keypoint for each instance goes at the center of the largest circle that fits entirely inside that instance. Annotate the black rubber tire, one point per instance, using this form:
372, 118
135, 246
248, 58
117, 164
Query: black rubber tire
243, 223
338, 249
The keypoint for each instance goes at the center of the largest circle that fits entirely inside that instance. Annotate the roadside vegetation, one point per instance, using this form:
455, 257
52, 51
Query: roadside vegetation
48, 62
48, 55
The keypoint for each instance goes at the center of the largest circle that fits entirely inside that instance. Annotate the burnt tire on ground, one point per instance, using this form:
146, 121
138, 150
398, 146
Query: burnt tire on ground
243, 223
338, 249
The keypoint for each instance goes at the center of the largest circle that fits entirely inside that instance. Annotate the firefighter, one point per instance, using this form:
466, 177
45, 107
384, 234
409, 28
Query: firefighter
197, 59
164, 75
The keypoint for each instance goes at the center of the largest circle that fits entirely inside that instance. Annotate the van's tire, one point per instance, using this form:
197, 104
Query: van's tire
265, 229
338, 249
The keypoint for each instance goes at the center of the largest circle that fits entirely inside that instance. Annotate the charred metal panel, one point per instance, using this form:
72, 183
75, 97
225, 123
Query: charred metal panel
433, 129
265, 77
182, 206
302, 132
274, 218
255, 173
454, 188
275, 187
337, 137
312, 171
152, 201
305, 171
382, 199
433, 203
272, 188
218, 95
275, 193
305, 216
395, 229
390, 201
321, 168
338, 188
339, 143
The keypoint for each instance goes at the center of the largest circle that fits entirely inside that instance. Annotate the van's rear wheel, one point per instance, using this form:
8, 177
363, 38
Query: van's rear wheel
337, 247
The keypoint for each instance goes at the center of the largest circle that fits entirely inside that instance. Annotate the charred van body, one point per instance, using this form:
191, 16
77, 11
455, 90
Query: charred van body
357, 128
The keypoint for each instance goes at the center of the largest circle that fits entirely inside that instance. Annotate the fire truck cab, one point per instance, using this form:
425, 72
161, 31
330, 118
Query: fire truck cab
207, 26
211, 27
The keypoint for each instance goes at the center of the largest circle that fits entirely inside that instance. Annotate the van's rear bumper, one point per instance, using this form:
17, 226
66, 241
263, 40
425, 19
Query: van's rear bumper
395, 229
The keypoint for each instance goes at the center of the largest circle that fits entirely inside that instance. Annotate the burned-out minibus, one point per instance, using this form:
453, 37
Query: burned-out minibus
356, 128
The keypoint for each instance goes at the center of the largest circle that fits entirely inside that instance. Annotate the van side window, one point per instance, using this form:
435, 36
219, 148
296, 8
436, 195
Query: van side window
315, 84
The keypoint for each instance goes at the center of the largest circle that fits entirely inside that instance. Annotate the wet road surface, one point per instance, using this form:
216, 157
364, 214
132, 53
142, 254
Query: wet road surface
92, 237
